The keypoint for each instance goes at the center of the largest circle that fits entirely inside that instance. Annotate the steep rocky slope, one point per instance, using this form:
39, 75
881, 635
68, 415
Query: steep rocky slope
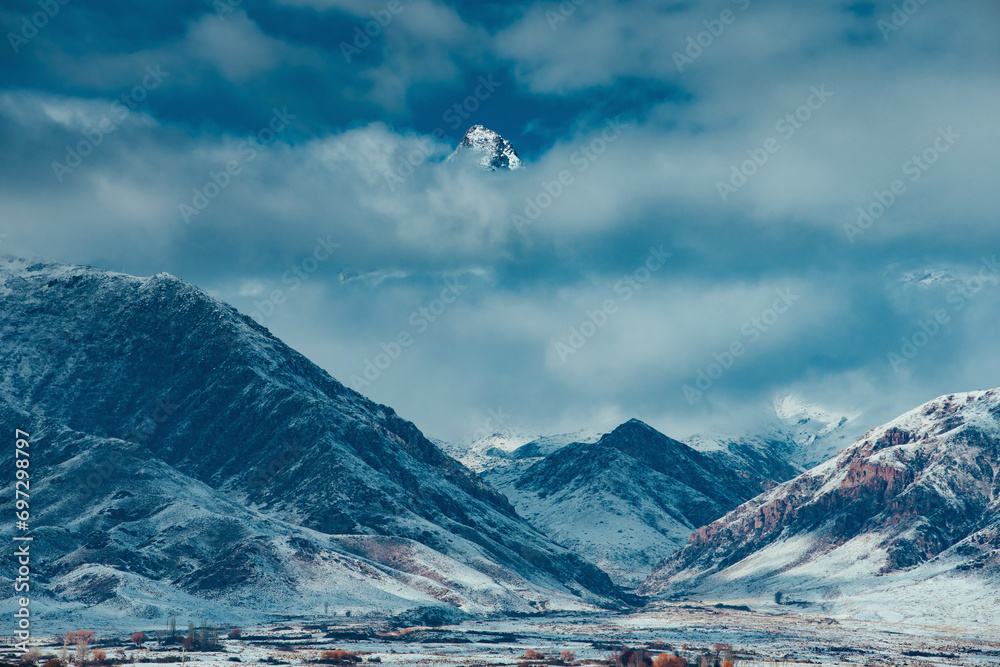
628, 499
914, 505
179, 443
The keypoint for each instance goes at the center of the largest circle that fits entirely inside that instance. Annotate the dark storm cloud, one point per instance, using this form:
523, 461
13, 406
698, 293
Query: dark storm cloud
741, 137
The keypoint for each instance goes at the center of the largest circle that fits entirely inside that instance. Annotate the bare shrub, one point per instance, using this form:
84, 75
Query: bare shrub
139, 638
567, 656
532, 654
82, 650
76, 635
99, 655
31, 656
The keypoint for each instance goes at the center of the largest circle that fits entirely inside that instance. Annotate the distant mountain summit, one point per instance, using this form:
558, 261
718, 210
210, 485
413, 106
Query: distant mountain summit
791, 429
487, 149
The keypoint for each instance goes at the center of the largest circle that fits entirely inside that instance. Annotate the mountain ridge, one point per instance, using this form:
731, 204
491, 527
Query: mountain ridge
913, 504
625, 500
154, 365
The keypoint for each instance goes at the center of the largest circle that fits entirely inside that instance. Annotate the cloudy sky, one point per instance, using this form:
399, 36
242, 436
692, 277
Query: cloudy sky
724, 201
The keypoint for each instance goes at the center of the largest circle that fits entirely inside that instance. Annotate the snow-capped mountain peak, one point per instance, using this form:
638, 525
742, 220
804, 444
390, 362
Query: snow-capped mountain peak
798, 431
487, 149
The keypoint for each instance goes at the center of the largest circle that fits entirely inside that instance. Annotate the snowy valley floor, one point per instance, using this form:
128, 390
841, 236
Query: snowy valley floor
779, 636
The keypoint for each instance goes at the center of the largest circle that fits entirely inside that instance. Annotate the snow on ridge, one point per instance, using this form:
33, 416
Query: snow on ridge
490, 150
975, 408
500, 449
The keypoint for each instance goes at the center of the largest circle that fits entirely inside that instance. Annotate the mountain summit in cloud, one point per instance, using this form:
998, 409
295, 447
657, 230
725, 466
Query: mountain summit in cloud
488, 149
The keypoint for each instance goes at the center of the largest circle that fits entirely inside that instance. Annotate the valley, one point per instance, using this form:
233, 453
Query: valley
690, 629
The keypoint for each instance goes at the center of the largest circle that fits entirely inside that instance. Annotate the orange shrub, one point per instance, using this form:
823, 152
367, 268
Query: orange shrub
532, 654
99, 655
138, 638
338, 655
567, 656
667, 660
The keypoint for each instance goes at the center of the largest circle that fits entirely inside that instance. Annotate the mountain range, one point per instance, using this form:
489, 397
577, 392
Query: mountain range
627, 499
905, 523
183, 457
184, 461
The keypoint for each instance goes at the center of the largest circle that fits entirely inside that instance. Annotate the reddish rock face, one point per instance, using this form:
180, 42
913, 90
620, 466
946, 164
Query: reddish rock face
890, 438
923, 484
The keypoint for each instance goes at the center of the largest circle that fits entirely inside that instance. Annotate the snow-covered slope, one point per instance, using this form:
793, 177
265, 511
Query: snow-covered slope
487, 149
624, 501
904, 521
513, 451
800, 433
180, 444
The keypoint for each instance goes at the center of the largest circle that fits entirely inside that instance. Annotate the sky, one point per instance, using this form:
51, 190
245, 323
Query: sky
722, 202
